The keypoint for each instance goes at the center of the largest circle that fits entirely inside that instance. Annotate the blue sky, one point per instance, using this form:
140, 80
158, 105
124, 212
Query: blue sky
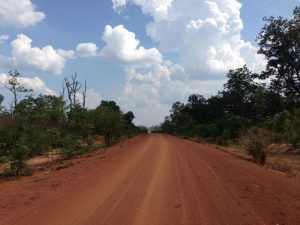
143, 54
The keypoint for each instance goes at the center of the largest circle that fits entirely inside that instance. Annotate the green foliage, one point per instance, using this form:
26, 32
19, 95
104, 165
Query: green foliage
109, 122
244, 102
279, 42
286, 127
254, 141
36, 125
4, 159
18, 166
71, 146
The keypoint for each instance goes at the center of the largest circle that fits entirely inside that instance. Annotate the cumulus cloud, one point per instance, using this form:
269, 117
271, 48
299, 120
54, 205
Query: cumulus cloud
19, 13
205, 36
93, 98
151, 93
45, 59
34, 83
123, 47
159, 8
68, 54
4, 37
86, 49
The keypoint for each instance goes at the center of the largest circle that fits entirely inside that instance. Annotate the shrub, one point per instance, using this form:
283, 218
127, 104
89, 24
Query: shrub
18, 166
223, 138
71, 146
286, 127
254, 141
4, 159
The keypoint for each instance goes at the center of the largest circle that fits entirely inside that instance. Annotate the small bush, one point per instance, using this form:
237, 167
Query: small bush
18, 166
4, 159
71, 146
254, 141
223, 138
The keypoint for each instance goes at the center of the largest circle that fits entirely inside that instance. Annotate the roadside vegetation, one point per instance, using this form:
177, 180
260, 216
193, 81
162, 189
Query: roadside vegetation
254, 109
36, 126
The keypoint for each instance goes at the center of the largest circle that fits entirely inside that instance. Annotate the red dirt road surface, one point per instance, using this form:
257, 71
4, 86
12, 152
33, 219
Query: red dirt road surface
153, 180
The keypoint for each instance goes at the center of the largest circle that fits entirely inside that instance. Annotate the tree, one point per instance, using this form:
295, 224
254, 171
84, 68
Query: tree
44, 110
110, 104
130, 128
197, 108
84, 95
1, 100
13, 84
73, 86
266, 103
279, 42
128, 117
109, 121
239, 90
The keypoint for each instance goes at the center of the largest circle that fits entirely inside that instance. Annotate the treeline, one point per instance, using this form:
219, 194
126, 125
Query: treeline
246, 101
36, 125
243, 103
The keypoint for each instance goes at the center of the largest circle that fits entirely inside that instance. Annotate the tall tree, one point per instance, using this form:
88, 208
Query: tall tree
13, 84
238, 90
73, 86
279, 41
84, 95
197, 108
109, 121
1, 100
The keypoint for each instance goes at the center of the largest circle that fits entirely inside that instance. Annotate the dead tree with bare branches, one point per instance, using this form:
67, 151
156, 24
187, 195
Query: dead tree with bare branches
72, 86
84, 95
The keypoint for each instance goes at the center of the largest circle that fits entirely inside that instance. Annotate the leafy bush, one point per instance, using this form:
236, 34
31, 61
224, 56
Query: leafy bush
223, 138
18, 166
72, 146
53, 137
254, 141
285, 127
4, 159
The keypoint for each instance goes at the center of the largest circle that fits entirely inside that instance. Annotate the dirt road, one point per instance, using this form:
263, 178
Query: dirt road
153, 180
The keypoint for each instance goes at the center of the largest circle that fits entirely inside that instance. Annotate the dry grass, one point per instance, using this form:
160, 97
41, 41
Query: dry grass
286, 163
289, 164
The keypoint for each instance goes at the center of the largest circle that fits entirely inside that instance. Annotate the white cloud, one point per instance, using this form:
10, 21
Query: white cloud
34, 83
19, 13
150, 94
86, 49
92, 100
68, 54
123, 47
159, 8
45, 59
4, 37
205, 36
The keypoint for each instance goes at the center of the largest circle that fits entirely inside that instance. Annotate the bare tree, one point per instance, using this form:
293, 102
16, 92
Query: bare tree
63, 89
13, 84
73, 86
84, 95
